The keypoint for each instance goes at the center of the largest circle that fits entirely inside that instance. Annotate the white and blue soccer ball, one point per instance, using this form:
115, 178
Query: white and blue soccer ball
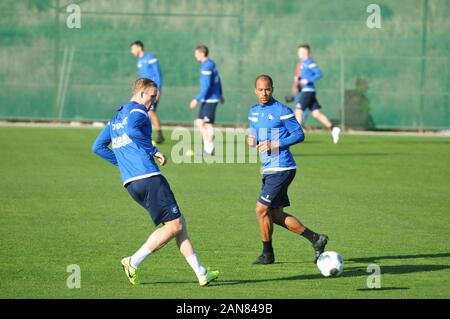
330, 264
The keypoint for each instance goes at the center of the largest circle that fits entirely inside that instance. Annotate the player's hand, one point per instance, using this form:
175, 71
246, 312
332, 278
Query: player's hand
251, 140
222, 100
304, 82
193, 104
158, 96
161, 158
266, 146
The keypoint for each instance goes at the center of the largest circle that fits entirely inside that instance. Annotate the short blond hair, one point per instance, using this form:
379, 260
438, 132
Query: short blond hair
142, 84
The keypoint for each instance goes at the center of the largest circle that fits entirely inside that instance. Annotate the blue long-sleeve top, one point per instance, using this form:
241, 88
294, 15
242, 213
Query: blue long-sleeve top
130, 134
310, 72
210, 83
275, 121
149, 68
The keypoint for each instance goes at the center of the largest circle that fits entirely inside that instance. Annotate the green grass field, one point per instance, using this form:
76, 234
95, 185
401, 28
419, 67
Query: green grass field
381, 199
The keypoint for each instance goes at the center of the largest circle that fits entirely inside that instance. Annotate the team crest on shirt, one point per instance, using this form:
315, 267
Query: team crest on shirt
270, 117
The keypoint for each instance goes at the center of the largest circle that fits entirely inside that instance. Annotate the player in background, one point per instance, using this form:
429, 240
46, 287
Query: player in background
273, 129
149, 68
129, 132
296, 89
306, 99
209, 96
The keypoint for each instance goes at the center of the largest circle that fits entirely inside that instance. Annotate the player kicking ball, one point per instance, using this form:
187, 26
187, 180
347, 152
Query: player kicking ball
273, 130
130, 134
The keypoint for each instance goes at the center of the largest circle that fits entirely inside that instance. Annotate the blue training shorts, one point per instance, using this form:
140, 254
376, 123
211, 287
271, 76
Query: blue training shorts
274, 191
306, 100
207, 112
154, 194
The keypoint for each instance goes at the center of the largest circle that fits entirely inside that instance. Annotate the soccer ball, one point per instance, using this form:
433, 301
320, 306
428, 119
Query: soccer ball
330, 264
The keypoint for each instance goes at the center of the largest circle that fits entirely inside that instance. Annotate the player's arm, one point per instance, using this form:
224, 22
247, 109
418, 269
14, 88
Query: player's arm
205, 83
156, 71
101, 143
296, 134
136, 121
316, 74
252, 137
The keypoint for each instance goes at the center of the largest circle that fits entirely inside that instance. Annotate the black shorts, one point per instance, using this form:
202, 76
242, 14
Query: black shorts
207, 112
154, 194
274, 191
307, 100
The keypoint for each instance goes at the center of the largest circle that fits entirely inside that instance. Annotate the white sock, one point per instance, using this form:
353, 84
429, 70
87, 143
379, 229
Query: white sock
208, 146
139, 256
196, 265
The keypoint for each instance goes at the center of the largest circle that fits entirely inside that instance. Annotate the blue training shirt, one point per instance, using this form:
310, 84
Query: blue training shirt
149, 68
130, 134
210, 84
311, 73
275, 121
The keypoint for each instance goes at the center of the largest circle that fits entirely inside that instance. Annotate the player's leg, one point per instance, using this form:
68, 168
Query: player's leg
273, 185
266, 231
322, 118
209, 119
209, 138
155, 241
186, 248
283, 219
154, 194
298, 108
291, 223
200, 123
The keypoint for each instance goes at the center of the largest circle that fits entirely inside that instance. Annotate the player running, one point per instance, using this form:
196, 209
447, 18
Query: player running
129, 132
149, 68
306, 98
273, 130
210, 95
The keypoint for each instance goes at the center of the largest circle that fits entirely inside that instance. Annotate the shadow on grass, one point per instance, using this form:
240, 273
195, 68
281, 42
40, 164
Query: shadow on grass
345, 154
382, 289
348, 272
377, 258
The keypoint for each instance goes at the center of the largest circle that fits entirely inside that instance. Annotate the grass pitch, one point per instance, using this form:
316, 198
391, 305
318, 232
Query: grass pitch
381, 199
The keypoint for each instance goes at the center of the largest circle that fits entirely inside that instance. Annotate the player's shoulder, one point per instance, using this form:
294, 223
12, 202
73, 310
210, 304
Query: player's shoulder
254, 108
310, 63
208, 64
284, 109
132, 107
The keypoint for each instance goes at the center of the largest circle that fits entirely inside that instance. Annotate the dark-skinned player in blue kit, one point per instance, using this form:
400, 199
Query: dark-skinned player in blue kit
273, 129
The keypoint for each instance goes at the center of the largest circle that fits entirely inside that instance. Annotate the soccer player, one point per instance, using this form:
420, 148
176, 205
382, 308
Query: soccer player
273, 129
129, 132
306, 98
296, 89
209, 96
149, 68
